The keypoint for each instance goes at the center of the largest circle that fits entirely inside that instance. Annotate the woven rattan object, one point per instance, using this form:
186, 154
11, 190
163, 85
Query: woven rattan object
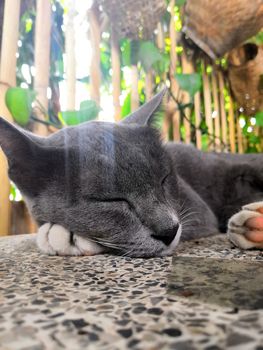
134, 19
245, 76
219, 26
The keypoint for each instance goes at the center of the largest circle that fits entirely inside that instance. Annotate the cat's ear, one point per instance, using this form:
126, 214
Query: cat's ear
18, 147
146, 114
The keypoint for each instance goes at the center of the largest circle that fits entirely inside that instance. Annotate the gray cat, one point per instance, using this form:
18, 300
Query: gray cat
106, 187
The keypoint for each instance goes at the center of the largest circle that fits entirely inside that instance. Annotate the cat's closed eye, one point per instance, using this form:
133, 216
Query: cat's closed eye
164, 179
111, 200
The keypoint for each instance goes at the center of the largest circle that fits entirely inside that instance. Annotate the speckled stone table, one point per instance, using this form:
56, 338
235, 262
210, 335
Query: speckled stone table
107, 302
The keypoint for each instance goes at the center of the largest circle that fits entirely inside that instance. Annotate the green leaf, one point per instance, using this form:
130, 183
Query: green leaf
28, 24
148, 54
205, 142
162, 66
126, 108
259, 38
88, 111
259, 118
126, 52
90, 106
254, 139
19, 102
180, 3
85, 80
189, 82
203, 126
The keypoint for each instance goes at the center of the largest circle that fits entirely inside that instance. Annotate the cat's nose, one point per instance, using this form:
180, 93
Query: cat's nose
168, 235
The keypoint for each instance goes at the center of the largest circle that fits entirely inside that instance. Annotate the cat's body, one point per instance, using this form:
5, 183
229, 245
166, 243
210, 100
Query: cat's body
115, 187
224, 181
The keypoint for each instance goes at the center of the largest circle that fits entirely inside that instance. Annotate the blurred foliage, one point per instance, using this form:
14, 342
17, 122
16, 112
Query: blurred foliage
145, 54
23, 102
88, 111
191, 83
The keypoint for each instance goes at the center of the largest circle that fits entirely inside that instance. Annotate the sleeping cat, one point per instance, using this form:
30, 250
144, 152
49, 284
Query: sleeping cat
105, 187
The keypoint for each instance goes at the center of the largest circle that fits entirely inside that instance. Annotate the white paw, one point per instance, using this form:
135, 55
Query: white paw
240, 230
56, 240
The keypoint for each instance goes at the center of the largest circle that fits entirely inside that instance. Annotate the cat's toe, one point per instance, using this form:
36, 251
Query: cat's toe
60, 240
245, 229
42, 239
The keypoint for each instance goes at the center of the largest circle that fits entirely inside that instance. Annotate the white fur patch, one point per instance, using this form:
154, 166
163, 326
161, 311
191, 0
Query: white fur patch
42, 240
56, 240
253, 206
237, 228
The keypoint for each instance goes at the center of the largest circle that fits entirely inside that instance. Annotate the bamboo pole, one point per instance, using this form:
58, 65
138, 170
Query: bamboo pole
134, 88
166, 120
239, 137
216, 110
42, 58
8, 76
222, 109
116, 75
70, 56
197, 102
95, 32
187, 69
231, 120
208, 106
174, 85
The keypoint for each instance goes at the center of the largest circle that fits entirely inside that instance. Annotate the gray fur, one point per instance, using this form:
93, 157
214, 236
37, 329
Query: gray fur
119, 184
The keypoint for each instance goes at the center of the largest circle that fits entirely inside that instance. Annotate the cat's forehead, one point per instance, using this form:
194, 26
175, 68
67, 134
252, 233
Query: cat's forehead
105, 138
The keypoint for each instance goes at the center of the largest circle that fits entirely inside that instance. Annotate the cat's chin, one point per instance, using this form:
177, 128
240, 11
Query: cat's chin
53, 239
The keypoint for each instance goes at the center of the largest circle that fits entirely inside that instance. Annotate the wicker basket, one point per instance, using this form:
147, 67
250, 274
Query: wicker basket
245, 76
219, 26
134, 19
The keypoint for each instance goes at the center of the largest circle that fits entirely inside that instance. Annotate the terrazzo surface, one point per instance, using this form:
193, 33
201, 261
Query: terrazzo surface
107, 302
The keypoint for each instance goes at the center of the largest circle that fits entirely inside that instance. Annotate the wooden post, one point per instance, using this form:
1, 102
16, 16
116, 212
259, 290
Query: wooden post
231, 119
222, 109
166, 120
95, 33
239, 137
134, 89
174, 85
116, 75
208, 105
187, 69
42, 58
7, 76
198, 135
70, 56
216, 110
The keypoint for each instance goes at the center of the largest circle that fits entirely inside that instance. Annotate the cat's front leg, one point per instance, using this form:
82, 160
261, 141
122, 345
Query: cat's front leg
54, 239
245, 229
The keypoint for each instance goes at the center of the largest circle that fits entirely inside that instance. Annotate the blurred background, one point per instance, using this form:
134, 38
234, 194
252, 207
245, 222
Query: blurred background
64, 62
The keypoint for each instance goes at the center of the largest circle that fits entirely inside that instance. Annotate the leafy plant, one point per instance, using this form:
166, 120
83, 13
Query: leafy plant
88, 111
19, 102
191, 83
180, 3
259, 118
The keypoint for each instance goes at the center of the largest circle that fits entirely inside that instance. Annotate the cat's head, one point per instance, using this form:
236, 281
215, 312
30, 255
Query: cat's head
111, 182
